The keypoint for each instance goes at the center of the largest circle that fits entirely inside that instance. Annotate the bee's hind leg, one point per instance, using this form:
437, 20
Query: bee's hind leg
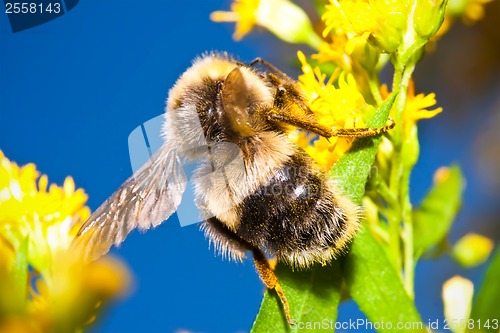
228, 242
266, 274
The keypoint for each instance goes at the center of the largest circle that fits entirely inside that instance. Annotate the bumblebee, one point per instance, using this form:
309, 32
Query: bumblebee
257, 191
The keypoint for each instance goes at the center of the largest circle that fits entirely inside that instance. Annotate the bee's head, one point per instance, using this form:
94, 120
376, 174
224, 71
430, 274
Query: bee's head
216, 100
288, 95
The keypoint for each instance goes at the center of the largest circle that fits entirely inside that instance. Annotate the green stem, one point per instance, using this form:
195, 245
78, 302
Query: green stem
394, 220
374, 89
406, 207
406, 211
385, 192
399, 184
409, 263
398, 114
379, 232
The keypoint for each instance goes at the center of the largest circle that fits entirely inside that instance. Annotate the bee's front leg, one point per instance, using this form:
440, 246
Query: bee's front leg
311, 125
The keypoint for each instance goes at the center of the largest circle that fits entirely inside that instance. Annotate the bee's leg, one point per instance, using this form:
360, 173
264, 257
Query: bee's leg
362, 131
268, 66
270, 279
229, 242
264, 63
313, 126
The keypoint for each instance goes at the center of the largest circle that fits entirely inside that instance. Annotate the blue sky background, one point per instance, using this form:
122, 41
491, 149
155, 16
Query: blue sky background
73, 89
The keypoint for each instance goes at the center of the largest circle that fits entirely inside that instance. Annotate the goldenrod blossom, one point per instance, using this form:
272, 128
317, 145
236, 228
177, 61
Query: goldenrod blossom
50, 217
283, 18
335, 107
44, 284
382, 22
334, 52
416, 105
243, 12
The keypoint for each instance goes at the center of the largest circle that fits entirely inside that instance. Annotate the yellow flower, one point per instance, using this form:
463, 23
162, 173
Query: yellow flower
334, 52
415, 109
243, 12
416, 106
335, 107
363, 58
50, 217
76, 291
283, 18
44, 284
381, 22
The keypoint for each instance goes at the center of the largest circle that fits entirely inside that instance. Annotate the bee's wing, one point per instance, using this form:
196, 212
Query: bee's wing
146, 199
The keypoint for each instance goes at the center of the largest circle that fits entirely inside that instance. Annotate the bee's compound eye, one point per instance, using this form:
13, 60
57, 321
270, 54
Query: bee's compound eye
281, 90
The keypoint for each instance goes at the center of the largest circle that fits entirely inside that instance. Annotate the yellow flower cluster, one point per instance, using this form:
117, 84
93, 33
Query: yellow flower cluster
397, 27
341, 106
334, 52
382, 21
44, 285
48, 217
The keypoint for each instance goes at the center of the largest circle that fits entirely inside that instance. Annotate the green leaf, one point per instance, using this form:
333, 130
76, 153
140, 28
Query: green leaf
373, 283
433, 219
376, 287
485, 309
314, 294
352, 170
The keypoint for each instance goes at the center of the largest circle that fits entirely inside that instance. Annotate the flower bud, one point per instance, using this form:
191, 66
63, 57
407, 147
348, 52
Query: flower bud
388, 40
367, 56
472, 250
287, 21
392, 24
428, 17
384, 156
